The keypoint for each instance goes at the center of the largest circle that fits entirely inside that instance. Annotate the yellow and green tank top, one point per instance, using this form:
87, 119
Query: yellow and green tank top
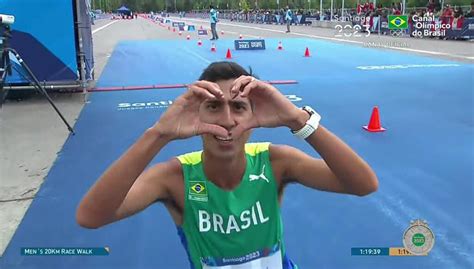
235, 229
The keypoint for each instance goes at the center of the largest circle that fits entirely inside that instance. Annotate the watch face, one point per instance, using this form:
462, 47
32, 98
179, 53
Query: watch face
418, 238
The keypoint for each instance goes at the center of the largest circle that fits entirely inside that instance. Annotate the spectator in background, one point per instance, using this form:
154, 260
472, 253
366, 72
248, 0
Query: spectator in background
288, 18
447, 16
458, 18
213, 19
470, 14
431, 6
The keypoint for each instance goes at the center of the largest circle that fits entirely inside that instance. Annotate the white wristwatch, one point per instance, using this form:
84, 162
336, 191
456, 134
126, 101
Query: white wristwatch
310, 126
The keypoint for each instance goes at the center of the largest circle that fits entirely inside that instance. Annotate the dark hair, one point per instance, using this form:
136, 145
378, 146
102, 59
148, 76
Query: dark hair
223, 71
211, 6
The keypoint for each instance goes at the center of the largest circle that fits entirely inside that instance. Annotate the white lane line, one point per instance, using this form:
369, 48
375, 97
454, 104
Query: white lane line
197, 55
404, 66
235, 33
343, 40
100, 28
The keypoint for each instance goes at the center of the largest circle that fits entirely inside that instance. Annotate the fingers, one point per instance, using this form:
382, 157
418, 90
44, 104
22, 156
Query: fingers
244, 126
206, 128
239, 83
205, 90
211, 87
249, 87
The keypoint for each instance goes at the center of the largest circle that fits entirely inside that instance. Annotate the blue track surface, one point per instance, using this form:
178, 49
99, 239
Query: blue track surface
423, 161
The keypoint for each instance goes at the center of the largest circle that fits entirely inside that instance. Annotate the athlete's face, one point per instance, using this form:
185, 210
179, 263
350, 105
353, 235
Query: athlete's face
228, 113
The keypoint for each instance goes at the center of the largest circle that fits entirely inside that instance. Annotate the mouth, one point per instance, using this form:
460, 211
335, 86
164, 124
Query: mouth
225, 140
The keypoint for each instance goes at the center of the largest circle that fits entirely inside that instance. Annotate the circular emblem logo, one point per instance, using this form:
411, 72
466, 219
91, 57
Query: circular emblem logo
418, 239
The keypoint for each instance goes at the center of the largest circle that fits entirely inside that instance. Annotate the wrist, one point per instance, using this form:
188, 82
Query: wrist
311, 124
299, 121
157, 133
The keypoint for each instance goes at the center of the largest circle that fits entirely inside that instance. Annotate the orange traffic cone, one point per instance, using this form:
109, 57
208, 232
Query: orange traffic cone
280, 46
199, 42
213, 47
228, 55
240, 36
306, 52
374, 123
188, 37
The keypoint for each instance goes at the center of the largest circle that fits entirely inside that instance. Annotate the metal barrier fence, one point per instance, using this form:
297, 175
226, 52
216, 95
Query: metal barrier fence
462, 28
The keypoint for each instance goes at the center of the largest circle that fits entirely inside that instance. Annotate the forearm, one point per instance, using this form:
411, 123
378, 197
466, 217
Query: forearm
108, 193
353, 172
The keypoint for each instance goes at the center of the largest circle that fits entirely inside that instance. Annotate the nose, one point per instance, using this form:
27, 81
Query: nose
227, 119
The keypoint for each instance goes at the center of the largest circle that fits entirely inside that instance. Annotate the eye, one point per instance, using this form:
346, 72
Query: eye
212, 106
240, 107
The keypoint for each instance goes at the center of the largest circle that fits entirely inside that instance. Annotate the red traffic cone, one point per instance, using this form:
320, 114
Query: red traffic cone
306, 52
174, 29
228, 55
188, 37
213, 47
180, 33
374, 123
200, 28
240, 36
280, 46
199, 42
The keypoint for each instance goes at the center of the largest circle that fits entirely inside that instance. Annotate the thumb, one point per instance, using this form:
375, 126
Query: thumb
244, 126
206, 128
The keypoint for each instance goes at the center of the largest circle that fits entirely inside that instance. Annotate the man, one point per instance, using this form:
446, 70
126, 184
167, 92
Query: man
225, 199
213, 18
288, 18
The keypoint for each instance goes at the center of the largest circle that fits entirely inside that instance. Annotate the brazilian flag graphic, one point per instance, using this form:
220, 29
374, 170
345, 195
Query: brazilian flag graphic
199, 188
197, 191
397, 22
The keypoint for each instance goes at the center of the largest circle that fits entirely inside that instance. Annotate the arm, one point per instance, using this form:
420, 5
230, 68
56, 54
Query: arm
118, 192
340, 170
124, 189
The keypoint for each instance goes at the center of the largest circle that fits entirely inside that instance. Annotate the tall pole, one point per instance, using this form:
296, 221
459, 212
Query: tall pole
342, 10
332, 11
320, 10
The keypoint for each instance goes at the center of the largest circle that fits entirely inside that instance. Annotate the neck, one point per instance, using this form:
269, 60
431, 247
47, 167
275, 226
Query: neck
226, 173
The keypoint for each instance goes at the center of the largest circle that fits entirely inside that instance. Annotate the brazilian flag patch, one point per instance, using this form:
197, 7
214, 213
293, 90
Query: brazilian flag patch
197, 191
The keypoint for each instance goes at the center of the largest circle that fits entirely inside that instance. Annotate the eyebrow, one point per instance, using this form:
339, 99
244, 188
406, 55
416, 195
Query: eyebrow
239, 102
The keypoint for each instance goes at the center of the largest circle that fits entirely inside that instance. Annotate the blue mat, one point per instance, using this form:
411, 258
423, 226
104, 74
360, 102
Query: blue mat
423, 161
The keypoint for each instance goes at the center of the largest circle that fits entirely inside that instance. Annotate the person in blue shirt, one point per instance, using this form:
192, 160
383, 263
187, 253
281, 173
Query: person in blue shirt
213, 18
288, 18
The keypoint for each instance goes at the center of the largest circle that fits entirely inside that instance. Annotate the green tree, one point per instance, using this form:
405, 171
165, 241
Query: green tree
244, 5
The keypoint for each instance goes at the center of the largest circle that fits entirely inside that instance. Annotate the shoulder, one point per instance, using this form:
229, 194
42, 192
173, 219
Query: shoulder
171, 167
282, 158
167, 174
279, 152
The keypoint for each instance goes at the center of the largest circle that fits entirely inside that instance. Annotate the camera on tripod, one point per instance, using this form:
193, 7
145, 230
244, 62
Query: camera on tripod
6, 66
7, 19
